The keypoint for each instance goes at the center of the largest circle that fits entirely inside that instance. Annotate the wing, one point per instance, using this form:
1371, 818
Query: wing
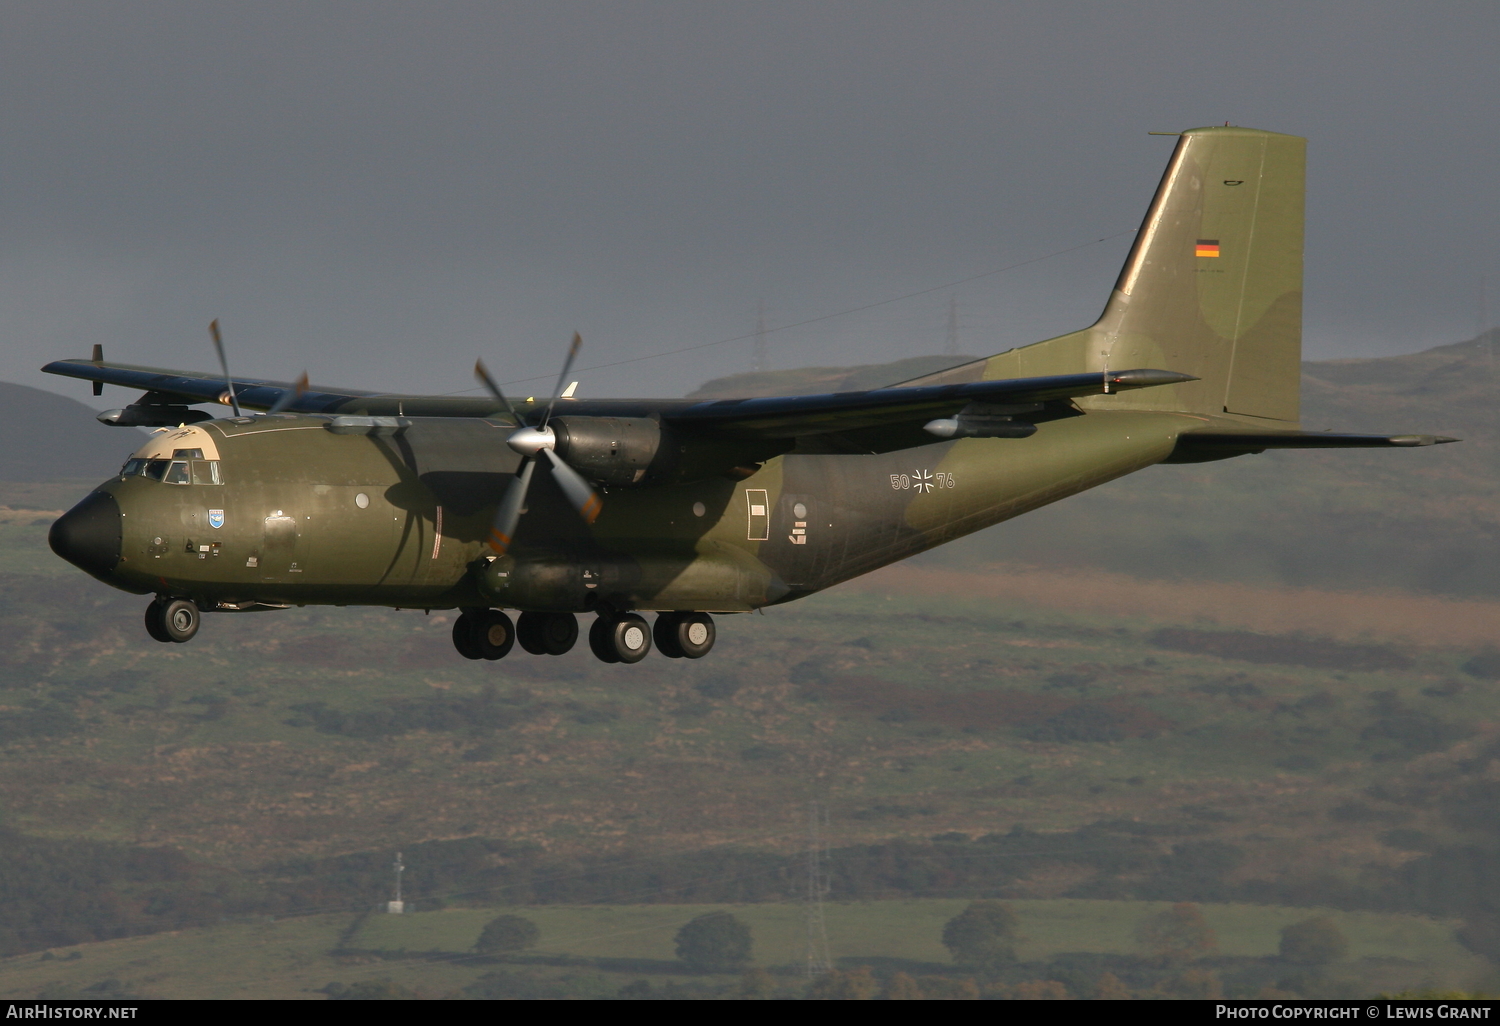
797, 416
191, 387
778, 417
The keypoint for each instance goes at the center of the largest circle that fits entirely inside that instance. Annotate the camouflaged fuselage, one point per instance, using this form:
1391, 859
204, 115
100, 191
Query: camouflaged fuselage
305, 516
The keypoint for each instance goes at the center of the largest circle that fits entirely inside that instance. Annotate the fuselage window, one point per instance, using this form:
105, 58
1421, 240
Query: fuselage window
155, 469
177, 473
206, 472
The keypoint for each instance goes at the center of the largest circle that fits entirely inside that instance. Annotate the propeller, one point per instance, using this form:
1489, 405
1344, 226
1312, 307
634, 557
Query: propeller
213, 329
535, 443
290, 396
286, 398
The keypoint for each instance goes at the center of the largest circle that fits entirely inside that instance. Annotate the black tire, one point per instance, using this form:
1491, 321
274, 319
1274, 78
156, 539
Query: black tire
599, 640
179, 620
559, 633
694, 634
156, 624
531, 632
494, 634
630, 637
547, 633
465, 638
664, 633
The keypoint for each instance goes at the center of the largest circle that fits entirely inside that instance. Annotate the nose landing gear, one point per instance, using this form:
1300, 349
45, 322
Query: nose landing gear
172, 620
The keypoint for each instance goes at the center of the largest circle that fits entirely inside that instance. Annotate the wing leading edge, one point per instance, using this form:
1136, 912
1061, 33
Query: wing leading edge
781, 417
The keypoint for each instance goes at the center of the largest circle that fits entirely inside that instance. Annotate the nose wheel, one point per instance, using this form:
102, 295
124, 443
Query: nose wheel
172, 620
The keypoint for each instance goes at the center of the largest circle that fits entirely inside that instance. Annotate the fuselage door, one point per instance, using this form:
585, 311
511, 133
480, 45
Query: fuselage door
278, 558
760, 514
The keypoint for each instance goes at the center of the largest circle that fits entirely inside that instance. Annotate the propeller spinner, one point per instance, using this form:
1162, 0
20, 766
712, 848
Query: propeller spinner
533, 443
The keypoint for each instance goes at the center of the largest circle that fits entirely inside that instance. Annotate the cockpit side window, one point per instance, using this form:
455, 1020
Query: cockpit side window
155, 469
177, 473
132, 467
206, 472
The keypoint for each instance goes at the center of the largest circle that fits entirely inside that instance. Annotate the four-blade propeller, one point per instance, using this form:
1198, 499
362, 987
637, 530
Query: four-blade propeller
533, 443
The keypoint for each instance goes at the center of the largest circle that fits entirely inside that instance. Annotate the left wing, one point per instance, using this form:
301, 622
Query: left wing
191, 387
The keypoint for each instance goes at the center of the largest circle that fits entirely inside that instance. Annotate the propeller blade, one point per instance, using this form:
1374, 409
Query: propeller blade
290, 396
484, 375
567, 366
503, 531
578, 491
213, 329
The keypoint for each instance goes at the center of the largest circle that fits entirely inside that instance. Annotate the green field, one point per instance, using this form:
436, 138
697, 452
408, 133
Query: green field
601, 949
908, 930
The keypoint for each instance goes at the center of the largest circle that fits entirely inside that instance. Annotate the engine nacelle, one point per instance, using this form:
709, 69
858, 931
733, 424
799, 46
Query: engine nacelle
612, 450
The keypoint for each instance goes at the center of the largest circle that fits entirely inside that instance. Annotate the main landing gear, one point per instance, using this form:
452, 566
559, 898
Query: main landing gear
625, 637
172, 619
684, 635
483, 634
613, 638
622, 638
547, 633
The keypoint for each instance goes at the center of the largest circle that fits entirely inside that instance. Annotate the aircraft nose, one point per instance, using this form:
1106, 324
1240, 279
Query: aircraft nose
88, 535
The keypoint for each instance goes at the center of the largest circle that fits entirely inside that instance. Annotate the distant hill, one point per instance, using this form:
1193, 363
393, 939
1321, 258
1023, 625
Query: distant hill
1422, 519
49, 437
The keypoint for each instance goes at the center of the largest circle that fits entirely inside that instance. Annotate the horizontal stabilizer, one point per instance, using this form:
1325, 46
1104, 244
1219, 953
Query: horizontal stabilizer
1195, 446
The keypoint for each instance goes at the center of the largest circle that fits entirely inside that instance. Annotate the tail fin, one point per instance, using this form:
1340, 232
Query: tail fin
1212, 287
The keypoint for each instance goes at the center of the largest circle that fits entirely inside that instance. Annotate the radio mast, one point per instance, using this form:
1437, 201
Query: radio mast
818, 961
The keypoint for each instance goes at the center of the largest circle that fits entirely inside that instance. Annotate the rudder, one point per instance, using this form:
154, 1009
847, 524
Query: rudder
1212, 287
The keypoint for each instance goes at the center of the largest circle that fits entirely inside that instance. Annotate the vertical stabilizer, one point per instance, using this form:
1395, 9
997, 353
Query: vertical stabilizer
1212, 287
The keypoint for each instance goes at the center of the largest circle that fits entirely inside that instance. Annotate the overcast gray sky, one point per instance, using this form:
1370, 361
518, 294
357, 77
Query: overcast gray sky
379, 192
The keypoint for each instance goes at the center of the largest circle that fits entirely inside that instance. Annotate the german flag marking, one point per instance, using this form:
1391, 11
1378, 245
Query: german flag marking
1206, 248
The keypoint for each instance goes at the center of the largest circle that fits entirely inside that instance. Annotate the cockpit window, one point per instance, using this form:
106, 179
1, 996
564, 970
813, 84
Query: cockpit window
179, 472
187, 454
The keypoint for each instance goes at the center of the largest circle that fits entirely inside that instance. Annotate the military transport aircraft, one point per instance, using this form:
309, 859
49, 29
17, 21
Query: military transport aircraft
559, 506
